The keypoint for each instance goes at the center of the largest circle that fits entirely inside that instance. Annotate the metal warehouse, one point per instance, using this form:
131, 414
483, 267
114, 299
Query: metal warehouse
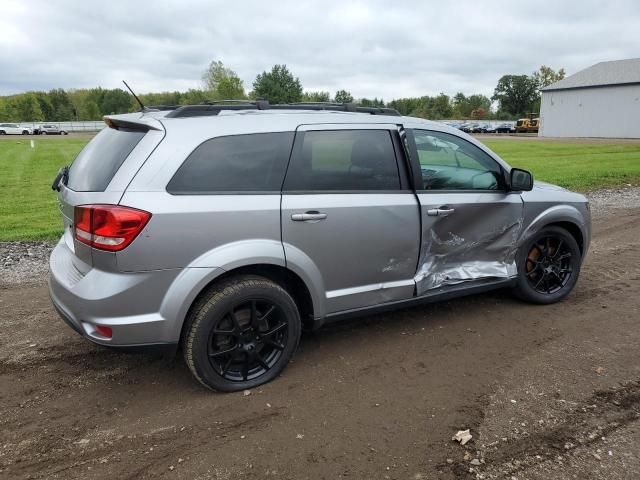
600, 101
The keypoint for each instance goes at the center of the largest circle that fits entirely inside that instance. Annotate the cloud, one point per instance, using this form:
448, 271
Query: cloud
371, 48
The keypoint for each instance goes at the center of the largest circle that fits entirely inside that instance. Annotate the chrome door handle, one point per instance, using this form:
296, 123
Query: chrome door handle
308, 217
440, 212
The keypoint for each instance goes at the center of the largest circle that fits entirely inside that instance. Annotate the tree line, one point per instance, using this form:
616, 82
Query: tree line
515, 96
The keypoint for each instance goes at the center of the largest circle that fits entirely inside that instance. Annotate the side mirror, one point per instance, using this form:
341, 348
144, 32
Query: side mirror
520, 180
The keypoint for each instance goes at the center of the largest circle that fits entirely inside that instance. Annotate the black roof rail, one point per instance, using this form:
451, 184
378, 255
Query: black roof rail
148, 108
214, 108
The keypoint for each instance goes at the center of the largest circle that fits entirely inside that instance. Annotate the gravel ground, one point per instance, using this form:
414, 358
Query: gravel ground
27, 262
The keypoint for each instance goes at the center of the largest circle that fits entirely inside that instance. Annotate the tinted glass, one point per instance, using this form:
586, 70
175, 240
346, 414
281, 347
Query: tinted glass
344, 160
100, 159
448, 162
237, 163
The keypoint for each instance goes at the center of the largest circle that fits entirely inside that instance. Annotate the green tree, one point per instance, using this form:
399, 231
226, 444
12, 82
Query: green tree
26, 108
222, 82
516, 94
278, 86
116, 101
62, 108
316, 97
342, 96
194, 96
545, 76
367, 102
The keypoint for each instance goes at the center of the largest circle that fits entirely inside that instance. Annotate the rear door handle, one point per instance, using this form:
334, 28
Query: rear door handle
311, 216
440, 212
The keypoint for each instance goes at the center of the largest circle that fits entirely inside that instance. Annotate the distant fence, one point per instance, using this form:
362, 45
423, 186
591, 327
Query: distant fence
77, 126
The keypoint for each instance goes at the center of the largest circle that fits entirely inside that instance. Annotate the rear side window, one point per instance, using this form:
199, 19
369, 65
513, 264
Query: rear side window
344, 160
100, 159
238, 163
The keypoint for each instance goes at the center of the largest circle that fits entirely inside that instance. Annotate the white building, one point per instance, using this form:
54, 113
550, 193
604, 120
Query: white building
600, 101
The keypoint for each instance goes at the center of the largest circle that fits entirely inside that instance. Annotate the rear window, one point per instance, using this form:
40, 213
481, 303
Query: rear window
238, 163
100, 159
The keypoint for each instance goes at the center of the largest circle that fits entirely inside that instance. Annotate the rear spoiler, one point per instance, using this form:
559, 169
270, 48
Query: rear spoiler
139, 124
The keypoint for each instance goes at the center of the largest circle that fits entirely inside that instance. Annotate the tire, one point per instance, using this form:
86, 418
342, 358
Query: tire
25, 132
241, 333
548, 266
43, 133
2, 132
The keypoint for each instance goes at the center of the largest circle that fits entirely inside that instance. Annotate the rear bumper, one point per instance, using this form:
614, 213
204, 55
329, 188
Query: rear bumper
128, 303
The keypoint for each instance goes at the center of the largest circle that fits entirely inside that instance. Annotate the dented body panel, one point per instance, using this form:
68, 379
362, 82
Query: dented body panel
477, 241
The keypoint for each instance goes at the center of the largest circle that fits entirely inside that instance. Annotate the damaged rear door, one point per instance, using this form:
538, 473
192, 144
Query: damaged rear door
470, 222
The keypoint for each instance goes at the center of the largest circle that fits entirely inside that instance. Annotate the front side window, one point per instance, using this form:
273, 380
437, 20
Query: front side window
344, 160
448, 162
237, 163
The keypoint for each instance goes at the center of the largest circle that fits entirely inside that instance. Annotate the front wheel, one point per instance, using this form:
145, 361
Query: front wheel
241, 334
548, 266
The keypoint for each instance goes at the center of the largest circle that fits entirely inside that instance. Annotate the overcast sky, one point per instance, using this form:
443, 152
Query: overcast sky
387, 49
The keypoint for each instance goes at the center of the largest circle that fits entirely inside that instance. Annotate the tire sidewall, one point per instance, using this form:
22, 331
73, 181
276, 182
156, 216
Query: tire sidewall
525, 290
206, 317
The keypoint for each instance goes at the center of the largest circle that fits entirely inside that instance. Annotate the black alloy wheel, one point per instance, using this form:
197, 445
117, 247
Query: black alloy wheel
548, 266
241, 333
248, 340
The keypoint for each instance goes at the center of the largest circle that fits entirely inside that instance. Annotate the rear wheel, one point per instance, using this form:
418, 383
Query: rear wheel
548, 266
241, 334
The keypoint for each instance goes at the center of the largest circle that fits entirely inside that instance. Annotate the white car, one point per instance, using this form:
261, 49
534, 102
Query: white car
14, 129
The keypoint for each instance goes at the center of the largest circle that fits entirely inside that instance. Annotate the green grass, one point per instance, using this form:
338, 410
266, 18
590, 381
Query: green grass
576, 166
28, 206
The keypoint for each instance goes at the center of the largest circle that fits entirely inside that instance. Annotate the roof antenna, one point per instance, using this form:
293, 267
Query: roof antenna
134, 96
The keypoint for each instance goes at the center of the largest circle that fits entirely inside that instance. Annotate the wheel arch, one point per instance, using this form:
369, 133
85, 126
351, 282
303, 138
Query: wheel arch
563, 216
283, 276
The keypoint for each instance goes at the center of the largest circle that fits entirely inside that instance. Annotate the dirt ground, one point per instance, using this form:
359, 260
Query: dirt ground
549, 392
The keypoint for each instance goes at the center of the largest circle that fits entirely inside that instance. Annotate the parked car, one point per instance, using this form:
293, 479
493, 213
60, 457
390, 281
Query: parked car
477, 128
505, 128
227, 228
52, 130
489, 128
13, 129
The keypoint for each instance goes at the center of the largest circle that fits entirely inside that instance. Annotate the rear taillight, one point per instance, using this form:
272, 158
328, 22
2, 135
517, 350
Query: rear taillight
108, 227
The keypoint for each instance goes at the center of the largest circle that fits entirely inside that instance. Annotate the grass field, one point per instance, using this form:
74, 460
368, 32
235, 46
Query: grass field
28, 207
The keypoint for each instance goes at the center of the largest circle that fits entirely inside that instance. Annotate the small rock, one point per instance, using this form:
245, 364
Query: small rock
246, 393
268, 405
180, 460
83, 441
475, 461
463, 436
596, 456
242, 437
513, 401
299, 436
600, 370
449, 460
171, 467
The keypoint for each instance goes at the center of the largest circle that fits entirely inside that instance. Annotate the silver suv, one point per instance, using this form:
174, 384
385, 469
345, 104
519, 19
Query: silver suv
225, 229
